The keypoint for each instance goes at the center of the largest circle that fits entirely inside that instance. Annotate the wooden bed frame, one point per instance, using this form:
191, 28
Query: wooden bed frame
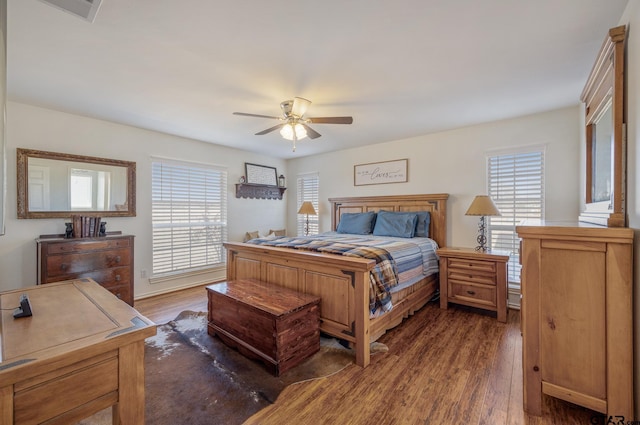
342, 282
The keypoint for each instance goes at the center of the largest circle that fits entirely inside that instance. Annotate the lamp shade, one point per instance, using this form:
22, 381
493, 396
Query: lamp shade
483, 205
307, 208
288, 131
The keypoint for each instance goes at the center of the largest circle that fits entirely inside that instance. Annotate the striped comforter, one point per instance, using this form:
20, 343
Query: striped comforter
399, 261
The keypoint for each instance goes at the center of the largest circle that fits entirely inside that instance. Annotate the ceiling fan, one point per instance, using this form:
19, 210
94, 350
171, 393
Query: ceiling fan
294, 125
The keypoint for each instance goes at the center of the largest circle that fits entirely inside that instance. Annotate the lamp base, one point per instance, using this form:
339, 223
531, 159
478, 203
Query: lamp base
482, 236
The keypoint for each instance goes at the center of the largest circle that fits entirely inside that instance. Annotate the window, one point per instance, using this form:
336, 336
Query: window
308, 191
189, 216
516, 185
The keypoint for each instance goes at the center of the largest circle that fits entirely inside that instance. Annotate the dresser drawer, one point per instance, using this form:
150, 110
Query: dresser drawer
59, 391
106, 277
123, 292
91, 245
59, 265
477, 294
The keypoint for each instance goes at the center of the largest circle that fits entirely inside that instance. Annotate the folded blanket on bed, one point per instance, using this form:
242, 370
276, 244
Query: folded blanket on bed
383, 276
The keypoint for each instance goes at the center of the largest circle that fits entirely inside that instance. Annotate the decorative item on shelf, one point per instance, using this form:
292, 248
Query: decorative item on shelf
68, 231
482, 206
103, 229
242, 179
261, 174
281, 180
307, 208
84, 226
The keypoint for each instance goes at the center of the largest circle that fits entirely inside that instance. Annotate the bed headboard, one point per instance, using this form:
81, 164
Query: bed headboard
434, 203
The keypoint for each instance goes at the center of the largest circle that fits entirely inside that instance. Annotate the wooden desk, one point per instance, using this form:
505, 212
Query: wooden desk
80, 352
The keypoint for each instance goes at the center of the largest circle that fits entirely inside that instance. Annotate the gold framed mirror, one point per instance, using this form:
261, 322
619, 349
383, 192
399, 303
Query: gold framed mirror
58, 185
603, 96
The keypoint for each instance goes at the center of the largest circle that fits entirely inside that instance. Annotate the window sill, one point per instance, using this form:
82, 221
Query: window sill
175, 276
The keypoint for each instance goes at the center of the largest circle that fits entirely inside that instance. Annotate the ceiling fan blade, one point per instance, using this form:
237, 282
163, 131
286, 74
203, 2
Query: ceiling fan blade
269, 130
311, 132
330, 120
256, 115
300, 106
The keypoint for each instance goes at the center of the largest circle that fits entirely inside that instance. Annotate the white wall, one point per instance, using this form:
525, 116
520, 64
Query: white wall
631, 18
454, 162
44, 129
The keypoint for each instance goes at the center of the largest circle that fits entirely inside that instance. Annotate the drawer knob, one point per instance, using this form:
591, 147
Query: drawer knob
471, 292
119, 295
117, 259
64, 266
117, 278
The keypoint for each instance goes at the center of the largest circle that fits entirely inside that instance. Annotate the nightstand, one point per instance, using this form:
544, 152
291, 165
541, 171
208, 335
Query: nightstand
474, 278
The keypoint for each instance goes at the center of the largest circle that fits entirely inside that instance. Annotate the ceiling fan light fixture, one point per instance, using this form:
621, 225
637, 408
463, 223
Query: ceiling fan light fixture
288, 131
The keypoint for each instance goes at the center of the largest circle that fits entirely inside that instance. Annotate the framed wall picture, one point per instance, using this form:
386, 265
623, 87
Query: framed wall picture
261, 174
380, 172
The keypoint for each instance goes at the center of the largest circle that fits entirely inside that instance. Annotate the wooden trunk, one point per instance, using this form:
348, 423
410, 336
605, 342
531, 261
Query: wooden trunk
278, 326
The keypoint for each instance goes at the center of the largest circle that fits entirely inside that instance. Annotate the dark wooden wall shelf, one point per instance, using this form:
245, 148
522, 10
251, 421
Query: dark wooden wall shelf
259, 191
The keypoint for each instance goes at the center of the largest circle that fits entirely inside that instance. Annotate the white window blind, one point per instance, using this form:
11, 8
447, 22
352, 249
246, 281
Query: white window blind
308, 187
516, 185
189, 216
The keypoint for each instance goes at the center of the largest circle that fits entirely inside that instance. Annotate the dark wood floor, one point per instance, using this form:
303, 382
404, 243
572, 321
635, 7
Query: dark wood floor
453, 366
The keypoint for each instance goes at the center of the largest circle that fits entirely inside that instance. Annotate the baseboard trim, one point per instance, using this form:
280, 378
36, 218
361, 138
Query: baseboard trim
178, 288
513, 297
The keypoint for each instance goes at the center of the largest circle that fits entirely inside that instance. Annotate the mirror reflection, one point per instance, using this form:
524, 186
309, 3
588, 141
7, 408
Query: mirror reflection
54, 184
75, 186
602, 160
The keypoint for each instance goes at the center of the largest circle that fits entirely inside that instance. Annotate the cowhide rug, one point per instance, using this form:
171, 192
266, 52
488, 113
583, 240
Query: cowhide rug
193, 378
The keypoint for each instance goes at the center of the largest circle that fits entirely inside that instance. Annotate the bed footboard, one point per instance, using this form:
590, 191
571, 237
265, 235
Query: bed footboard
340, 282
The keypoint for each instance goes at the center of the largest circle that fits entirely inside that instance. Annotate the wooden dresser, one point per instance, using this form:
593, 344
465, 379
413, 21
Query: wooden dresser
107, 260
474, 278
577, 314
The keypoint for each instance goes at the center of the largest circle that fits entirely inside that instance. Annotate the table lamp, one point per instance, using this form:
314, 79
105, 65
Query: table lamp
482, 206
307, 208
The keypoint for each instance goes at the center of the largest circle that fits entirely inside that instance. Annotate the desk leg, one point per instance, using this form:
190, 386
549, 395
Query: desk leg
6, 405
130, 407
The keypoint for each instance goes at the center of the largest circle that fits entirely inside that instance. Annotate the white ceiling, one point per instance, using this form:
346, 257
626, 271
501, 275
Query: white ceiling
401, 68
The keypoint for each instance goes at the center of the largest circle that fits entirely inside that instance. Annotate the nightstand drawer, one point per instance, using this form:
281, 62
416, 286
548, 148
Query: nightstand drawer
468, 276
472, 265
477, 294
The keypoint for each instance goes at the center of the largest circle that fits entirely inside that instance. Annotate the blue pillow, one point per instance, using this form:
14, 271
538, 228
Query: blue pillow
356, 223
422, 226
398, 224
